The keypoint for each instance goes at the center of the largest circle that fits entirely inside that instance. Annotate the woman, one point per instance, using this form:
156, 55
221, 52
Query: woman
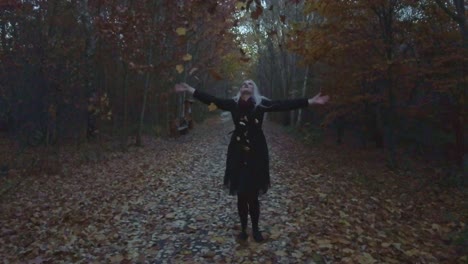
247, 166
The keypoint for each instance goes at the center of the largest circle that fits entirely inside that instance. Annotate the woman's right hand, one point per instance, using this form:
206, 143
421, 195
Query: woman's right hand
180, 87
183, 87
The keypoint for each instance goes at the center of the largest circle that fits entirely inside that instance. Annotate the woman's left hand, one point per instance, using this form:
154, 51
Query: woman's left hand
319, 99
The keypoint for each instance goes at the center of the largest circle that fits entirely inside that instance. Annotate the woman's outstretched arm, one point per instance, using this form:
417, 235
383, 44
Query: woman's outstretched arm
224, 104
291, 104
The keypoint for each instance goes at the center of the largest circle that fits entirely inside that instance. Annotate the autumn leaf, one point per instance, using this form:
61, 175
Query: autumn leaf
215, 75
181, 31
180, 68
212, 8
366, 258
212, 107
283, 18
245, 59
257, 13
187, 57
240, 5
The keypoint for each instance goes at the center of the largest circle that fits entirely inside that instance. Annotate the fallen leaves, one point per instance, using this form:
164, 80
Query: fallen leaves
165, 202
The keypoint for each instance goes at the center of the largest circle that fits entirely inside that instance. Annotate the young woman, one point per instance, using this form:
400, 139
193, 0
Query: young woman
247, 166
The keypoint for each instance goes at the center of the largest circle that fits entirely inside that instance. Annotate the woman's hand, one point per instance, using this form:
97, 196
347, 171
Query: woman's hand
183, 87
319, 99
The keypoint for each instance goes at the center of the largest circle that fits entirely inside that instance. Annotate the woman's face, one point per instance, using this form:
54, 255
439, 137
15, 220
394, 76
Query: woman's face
247, 87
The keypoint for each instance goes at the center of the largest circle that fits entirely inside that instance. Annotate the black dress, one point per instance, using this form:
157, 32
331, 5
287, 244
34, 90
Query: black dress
247, 163
246, 179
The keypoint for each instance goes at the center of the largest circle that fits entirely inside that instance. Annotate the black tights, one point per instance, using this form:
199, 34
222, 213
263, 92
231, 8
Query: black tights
248, 203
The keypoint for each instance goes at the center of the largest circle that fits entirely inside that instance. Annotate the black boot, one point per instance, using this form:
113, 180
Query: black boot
257, 235
243, 209
254, 210
243, 234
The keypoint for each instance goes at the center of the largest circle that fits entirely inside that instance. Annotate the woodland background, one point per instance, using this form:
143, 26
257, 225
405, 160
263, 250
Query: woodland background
93, 169
77, 74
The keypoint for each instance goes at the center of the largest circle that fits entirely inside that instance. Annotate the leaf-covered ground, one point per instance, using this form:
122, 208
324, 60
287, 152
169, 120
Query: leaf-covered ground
164, 203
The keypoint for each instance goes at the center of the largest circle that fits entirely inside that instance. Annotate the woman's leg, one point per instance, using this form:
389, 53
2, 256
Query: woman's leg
254, 210
243, 209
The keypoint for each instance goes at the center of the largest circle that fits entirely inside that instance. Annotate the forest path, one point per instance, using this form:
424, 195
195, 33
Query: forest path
164, 203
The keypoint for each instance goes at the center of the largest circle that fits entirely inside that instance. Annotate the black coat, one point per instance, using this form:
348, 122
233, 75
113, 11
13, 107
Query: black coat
248, 146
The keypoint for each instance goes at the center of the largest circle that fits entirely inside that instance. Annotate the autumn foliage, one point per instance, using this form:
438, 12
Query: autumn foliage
82, 82
389, 65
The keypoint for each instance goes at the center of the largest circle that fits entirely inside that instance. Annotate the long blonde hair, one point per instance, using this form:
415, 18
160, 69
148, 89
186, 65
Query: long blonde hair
256, 95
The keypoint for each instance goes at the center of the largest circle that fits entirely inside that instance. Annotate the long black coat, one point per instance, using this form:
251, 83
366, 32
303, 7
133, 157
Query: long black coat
248, 146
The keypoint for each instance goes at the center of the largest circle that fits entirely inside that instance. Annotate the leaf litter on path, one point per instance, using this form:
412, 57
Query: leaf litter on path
165, 203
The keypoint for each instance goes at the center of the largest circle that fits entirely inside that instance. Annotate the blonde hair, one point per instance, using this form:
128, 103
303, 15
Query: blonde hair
256, 95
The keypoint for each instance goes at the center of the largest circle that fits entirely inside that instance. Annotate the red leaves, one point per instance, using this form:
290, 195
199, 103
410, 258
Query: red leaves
283, 18
257, 13
10, 4
215, 75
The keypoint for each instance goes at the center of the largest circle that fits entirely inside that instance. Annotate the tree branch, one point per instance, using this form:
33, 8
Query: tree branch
449, 12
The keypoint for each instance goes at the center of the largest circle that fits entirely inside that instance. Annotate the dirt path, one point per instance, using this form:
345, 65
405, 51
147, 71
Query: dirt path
164, 204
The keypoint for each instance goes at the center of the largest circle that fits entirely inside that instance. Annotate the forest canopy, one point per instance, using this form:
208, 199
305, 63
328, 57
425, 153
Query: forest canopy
396, 70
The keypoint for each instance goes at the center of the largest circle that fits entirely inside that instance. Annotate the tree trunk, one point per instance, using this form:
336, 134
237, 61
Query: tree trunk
90, 51
125, 106
3, 36
304, 90
459, 16
145, 96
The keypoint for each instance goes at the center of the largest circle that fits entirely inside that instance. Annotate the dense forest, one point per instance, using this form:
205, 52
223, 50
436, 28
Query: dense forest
102, 161
79, 71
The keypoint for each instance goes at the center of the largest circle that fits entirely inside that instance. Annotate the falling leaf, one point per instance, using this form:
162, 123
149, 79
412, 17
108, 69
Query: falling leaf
240, 5
282, 18
215, 75
257, 13
180, 68
181, 31
187, 57
212, 8
212, 107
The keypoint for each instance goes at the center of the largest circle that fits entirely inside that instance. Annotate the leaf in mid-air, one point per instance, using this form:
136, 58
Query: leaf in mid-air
180, 68
187, 57
212, 107
181, 31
